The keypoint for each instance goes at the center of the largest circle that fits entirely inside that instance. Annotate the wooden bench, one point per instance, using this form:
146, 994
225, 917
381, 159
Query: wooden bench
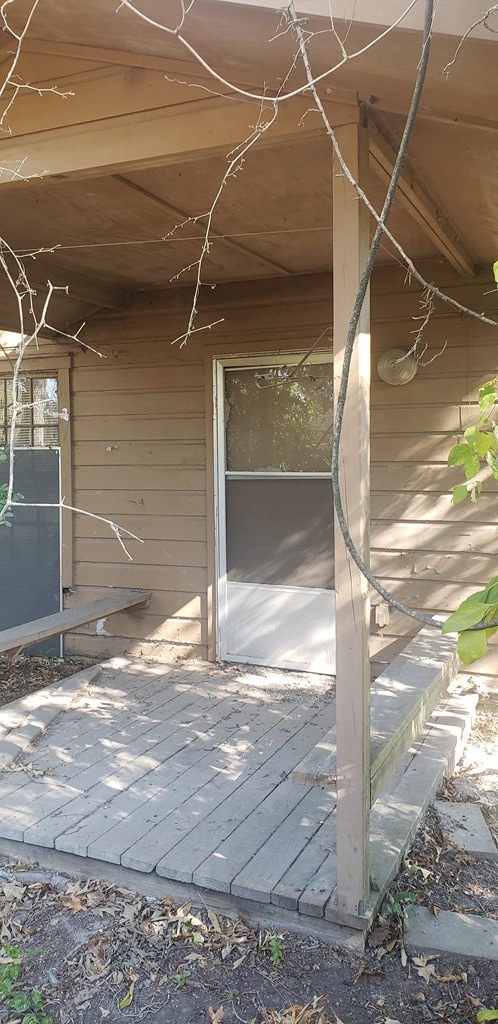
14, 640
402, 698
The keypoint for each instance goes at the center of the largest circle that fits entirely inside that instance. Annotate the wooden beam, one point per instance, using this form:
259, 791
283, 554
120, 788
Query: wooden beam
423, 208
180, 216
154, 138
190, 70
40, 270
95, 95
350, 245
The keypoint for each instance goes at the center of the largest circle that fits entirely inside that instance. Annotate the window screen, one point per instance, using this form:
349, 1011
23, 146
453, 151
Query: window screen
37, 420
279, 425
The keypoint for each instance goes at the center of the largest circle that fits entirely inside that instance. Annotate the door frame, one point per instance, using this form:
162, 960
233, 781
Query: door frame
220, 364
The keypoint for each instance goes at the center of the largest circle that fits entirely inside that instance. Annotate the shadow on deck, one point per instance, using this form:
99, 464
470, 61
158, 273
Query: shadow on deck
176, 779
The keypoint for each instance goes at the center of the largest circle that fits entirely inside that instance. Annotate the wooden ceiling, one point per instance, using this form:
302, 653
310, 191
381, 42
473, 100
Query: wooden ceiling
120, 171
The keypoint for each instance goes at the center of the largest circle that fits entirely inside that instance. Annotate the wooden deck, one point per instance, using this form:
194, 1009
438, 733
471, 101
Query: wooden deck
185, 772
177, 779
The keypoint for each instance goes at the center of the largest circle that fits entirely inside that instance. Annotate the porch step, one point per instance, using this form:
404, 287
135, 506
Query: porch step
402, 699
396, 815
14, 640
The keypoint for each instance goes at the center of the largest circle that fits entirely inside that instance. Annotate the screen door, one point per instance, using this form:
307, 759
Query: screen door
276, 602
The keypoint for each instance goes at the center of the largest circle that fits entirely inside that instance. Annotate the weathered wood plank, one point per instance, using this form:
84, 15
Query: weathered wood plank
106, 761
319, 766
130, 829
121, 428
32, 632
276, 855
166, 603
350, 247
302, 874
100, 784
402, 699
264, 766
161, 478
320, 890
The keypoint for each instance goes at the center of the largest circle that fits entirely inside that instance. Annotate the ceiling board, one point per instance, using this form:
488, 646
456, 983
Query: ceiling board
279, 207
237, 37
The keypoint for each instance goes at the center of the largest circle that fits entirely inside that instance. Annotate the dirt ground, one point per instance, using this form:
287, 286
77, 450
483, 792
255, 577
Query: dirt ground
81, 952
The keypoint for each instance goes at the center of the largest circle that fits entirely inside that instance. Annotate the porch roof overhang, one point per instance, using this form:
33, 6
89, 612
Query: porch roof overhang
102, 179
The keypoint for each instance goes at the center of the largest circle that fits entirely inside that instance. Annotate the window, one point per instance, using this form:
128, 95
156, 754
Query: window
37, 423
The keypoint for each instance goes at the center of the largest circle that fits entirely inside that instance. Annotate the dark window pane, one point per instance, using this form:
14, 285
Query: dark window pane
280, 532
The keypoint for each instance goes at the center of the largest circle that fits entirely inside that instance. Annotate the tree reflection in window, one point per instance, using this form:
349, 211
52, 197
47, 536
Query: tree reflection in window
285, 425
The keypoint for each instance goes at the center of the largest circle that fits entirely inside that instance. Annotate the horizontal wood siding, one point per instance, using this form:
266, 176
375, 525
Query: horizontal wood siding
141, 451
428, 552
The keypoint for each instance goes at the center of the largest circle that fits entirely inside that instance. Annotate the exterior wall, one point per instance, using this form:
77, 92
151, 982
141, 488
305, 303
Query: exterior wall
429, 553
142, 454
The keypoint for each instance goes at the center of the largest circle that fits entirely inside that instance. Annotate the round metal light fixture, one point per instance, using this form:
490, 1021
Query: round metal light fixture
396, 367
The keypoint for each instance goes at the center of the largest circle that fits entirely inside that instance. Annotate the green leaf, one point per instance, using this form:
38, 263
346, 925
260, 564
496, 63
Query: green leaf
471, 465
490, 592
487, 396
465, 455
484, 442
487, 1014
471, 645
464, 617
460, 493
495, 274
459, 454
471, 435
19, 1001
492, 462
128, 998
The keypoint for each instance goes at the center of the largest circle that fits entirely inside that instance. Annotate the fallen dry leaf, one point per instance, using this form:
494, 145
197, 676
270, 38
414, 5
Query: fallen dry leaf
216, 1016
128, 998
447, 978
423, 966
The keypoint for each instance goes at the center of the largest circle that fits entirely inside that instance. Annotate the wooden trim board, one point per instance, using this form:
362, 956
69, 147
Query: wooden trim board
14, 640
402, 699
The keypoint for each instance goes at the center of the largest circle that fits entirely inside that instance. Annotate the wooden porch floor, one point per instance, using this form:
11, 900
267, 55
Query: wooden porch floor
183, 772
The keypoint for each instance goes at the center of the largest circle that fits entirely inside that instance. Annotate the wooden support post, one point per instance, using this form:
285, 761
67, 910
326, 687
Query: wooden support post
350, 245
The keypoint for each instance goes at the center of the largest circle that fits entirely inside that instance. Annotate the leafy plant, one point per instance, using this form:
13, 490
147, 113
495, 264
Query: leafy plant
479, 447
398, 905
181, 978
28, 1002
478, 452
272, 944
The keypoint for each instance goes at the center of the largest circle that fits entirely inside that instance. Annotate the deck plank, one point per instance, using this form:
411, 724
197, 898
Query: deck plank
298, 878
401, 700
265, 769
105, 739
321, 888
134, 812
264, 871
220, 869
200, 790
104, 781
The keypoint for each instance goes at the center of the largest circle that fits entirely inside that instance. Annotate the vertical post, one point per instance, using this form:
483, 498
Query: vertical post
350, 245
